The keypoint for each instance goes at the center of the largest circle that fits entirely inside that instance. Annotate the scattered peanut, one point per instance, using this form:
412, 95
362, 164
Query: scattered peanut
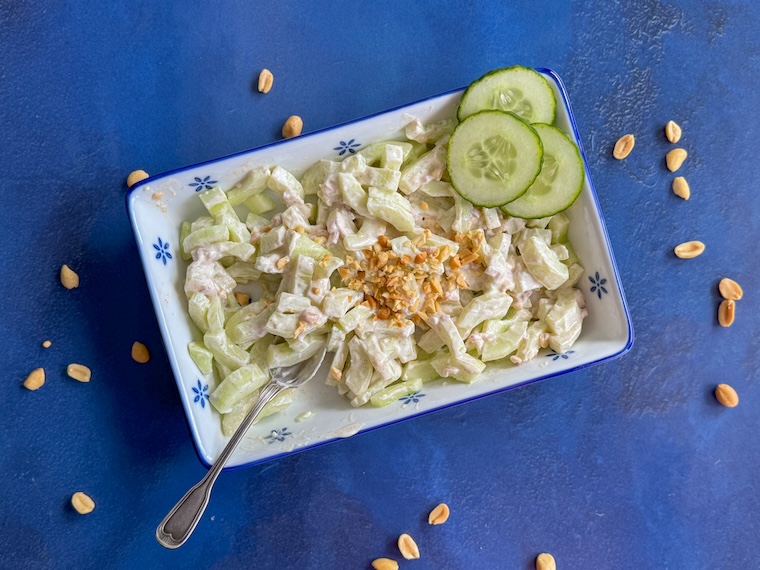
726, 395
624, 146
243, 298
47, 344
674, 159
439, 515
82, 503
424, 205
266, 79
292, 127
726, 312
384, 564
545, 561
136, 176
689, 249
79, 372
408, 547
730, 289
673, 132
35, 379
69, 278
140, 352
681, 188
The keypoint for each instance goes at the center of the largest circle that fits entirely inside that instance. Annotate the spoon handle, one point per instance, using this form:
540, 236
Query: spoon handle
181, 521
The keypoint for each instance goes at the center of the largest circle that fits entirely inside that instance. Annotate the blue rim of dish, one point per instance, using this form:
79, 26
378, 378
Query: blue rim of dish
165, 333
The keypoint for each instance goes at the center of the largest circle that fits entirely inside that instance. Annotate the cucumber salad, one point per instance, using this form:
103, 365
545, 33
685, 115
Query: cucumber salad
410, 261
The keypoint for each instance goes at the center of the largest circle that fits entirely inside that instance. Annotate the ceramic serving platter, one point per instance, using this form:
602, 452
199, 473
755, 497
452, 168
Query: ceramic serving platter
157, 206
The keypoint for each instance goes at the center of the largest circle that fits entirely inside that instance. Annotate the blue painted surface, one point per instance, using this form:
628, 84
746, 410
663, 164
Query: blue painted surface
630, 464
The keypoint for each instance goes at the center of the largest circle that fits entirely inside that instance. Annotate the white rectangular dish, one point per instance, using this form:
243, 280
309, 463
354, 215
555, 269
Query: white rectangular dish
157, 207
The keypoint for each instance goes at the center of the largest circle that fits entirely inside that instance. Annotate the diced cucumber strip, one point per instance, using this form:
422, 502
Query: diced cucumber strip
197, 307
215, 316
184, 231
316, 175
298, 275
239, 384
517, 89
538, 223
201, 356
254, 182
505, 343
391, 207
394, 392
429, 133
367, 236
561, 251
283, 182
462, 216
382, 178
352, 318
416, 151
490, 305
543, 263
224, 350
273, 239
255, 222
530, 343
376, 153
232, 420
259, 204
419, 370
354, 195
280, 355
559, 226
277, 404
221, 371
302, 245
493, 158
243, 272
202, 222
560, 182
439, 189
215, 201
427, 168
462, 367
205, 236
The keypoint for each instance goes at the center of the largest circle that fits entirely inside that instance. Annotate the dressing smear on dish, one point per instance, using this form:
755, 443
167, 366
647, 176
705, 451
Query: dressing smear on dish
377, 257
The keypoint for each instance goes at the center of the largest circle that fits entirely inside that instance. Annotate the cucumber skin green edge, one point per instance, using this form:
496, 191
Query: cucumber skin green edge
577, 192
532, 180
501, 70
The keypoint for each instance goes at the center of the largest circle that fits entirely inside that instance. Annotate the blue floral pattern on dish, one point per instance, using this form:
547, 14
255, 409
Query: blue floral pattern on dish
277, 435
411, 398
204, 183
162, 251
201, 394
555, 356
347, 146
597, 284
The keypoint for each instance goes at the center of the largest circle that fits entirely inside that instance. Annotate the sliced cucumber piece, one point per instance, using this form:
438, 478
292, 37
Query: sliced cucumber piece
493, 157
518, 89
560, 181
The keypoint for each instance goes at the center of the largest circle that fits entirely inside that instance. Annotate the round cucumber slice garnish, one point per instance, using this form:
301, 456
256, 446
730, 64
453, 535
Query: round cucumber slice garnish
560, 181
520, 90
493, 157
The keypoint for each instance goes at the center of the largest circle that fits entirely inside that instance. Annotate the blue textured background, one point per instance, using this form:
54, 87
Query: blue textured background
631, 464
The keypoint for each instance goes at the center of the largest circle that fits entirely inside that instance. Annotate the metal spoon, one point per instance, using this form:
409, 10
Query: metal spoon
181, 521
